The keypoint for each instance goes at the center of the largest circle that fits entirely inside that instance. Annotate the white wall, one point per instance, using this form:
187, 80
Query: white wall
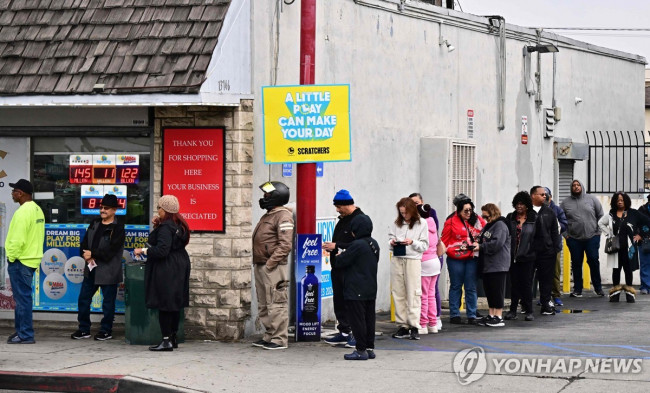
405, 86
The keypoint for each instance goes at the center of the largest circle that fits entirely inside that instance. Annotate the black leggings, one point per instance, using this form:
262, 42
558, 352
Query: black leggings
623, 262
168, 322
494, 285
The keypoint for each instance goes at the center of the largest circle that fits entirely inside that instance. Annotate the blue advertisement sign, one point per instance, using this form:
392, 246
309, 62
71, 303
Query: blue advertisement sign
308, 299
325, 227
57, 282
287, 170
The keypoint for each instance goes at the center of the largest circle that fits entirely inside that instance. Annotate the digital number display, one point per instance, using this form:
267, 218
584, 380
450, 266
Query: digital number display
81, 174
103, 175
128, 175
95, 203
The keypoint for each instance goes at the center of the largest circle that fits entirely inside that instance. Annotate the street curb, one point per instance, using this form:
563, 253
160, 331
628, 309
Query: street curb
88, 383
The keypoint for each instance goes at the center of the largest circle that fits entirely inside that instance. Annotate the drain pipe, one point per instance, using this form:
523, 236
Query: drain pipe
502, 74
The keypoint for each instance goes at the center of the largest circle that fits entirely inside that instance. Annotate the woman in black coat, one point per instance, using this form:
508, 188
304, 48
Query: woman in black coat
167, 272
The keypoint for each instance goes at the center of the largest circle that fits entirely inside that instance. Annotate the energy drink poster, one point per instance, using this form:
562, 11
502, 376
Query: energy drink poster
57, 282
308, 294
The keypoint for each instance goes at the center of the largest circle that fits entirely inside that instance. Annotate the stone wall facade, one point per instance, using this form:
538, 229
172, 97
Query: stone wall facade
220, 283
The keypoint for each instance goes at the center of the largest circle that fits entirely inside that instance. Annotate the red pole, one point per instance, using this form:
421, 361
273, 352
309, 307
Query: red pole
306, 173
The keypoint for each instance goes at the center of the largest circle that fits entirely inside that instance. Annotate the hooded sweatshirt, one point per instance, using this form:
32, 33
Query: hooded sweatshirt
582, 213
359, 261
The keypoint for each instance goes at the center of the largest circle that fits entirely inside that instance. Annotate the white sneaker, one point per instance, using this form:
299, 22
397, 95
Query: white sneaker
423, 330
432, 329
439, 324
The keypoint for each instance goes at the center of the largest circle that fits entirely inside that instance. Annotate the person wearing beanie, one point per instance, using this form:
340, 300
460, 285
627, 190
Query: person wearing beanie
101, 248
167, 272
341, 239
24, 251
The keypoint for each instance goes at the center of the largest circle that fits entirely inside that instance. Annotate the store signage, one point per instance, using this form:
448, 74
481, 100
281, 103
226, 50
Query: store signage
104, 168
91, 198
308, 295
58, 280
193, 171
307, 123
325, 227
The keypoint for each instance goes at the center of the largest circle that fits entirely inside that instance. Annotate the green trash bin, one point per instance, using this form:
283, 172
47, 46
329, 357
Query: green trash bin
141, 325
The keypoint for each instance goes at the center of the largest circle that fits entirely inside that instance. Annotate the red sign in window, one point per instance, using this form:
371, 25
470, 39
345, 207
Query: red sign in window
193, 170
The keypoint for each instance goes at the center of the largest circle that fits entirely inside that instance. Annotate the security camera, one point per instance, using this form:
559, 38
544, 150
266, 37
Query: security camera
578, 100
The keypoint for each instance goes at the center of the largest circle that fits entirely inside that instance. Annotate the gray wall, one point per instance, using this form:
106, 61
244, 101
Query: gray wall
405, 86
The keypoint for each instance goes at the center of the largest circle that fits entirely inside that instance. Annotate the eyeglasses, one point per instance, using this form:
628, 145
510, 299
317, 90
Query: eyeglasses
541, 194
485, 217
105, 208
467, 210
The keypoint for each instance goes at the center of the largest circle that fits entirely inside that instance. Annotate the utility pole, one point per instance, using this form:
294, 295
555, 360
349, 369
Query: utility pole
306, 173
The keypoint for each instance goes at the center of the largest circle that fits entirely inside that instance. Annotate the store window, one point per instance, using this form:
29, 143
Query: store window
64, 187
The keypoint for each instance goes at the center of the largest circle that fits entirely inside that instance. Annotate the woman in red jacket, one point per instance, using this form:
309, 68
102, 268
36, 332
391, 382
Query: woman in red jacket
459, 234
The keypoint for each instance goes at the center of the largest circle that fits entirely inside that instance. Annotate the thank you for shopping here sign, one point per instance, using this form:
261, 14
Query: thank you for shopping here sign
308, 123
308, 280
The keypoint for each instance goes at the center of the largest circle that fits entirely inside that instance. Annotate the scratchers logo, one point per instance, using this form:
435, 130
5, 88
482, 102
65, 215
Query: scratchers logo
470, 365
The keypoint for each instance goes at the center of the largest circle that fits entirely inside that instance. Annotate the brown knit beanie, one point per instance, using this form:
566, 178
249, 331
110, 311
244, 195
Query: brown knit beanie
168, 203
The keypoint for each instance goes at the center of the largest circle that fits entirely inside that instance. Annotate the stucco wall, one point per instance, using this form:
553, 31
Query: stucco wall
404, 86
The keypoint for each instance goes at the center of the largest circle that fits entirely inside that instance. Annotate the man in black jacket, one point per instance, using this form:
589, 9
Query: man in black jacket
546, 243
359, 262
101, 248
341, 239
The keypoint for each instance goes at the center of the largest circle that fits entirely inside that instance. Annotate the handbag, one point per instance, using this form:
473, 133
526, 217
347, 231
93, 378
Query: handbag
612, 245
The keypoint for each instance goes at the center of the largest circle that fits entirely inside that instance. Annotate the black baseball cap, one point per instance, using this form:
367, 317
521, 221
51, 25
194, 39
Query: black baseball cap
23, 185
109, 200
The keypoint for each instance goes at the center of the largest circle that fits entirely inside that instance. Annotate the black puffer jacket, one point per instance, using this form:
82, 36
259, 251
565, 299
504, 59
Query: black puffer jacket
359, 262
548, 241
522, 248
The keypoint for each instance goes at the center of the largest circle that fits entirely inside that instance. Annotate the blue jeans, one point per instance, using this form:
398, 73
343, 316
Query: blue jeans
644, 270
462, 273
577, 249
88, 289
21, 277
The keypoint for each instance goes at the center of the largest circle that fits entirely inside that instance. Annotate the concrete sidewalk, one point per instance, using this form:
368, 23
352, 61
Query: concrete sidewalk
607, 331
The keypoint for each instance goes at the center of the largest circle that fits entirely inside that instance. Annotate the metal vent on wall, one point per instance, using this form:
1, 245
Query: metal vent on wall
463, 170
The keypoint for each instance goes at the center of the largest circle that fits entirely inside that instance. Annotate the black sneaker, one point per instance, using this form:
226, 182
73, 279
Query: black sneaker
455, 320
600, 293
102, 336
547, 310
576, 294
529, 317
273, 346
371, 353
260, 343
510, 315
78, 335
483, 321
402, 332
496, 321
414, 335
472, 321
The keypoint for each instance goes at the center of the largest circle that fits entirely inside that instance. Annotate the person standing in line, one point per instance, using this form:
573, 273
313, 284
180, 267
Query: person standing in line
561, 219
101, 248
167, 272
409, 239
272, 243
630, 227
24, 249
430, 271
459, 235
440, 250
583, 235
341, 239
522, 224
547, 243
359, 262
644, 256
494, 260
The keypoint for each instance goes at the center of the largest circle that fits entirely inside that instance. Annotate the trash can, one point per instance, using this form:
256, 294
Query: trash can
141, 325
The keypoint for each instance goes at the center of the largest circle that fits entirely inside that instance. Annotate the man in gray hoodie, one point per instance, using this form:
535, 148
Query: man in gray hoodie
583, 235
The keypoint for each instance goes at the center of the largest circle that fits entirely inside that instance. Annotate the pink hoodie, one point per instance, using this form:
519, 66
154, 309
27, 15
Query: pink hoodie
431, 252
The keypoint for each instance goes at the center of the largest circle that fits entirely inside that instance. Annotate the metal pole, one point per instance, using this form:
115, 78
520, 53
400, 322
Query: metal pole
306, 173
